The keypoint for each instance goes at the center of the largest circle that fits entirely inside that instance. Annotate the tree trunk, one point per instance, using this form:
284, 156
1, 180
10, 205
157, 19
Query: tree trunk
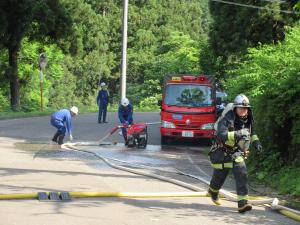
14, 79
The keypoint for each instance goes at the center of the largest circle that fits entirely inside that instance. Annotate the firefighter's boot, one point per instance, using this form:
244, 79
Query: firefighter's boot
61, 139
244, 206
214, 194
55, 136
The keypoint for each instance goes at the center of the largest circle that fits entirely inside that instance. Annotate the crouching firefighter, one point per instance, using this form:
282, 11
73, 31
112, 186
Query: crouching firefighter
234, 134
125, 112
62, 120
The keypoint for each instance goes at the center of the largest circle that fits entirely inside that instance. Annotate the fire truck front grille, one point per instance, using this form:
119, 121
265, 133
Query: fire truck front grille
188, 127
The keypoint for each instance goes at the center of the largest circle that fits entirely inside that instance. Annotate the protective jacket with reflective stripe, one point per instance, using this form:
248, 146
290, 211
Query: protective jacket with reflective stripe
228, 122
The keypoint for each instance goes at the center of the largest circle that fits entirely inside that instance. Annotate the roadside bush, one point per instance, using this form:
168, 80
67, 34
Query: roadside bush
270, 76
144, 93
150, 103
58, 85
4, 104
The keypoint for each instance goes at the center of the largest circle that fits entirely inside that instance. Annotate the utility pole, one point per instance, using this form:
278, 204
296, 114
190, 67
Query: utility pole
124, 48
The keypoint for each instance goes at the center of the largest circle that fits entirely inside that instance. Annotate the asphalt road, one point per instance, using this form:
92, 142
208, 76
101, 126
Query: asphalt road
29, 162
85, 127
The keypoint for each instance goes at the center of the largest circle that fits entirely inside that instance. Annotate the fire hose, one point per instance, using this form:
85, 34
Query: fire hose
273, 203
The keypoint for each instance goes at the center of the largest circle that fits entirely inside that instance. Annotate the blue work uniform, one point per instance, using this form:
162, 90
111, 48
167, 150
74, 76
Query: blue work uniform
125, 117
62, 120
102, 101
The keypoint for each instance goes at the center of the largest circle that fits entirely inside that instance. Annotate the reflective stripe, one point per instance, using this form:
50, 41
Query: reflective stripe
213, 190
242, 197
239, 159
228, 165
217, 166
230, 136
254, 138
220, 165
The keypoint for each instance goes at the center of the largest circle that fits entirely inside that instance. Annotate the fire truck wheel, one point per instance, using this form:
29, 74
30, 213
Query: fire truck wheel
163, 140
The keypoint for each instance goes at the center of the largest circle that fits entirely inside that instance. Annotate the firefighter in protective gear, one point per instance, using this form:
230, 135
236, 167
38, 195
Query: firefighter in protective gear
62, 120
125, 113
235, 132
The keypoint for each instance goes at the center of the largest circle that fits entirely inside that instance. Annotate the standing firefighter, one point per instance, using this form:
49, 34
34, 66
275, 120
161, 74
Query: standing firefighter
102, 101
125, 112
62, 120
234, 134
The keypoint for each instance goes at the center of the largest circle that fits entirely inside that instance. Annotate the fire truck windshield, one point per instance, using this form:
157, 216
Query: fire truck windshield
188, 95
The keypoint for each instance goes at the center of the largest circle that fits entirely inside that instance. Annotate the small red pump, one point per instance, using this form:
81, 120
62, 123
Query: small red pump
137, 135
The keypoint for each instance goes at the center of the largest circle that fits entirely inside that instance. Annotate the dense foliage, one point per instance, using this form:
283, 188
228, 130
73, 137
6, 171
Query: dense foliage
270, 75
163, 37
27, 18
235, 28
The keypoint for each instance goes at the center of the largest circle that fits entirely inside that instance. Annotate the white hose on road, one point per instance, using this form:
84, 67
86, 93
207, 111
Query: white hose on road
71, 146
291, 213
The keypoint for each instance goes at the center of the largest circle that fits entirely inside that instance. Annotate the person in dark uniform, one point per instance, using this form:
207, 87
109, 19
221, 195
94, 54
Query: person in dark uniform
102, 102
235, 132
125, 113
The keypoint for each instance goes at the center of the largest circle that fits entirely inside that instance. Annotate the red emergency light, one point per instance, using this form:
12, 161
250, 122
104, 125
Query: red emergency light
189, 78
202, 78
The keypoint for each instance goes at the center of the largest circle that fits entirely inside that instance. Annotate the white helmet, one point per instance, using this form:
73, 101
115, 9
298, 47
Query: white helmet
74, 110
241, 101
125, 102
102, 84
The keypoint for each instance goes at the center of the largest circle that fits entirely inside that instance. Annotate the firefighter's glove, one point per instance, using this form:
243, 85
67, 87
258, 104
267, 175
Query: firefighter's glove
242, 134
71, 137
237, 156
258, 146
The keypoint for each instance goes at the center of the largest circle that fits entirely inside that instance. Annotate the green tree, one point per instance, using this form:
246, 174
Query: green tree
270, 76
151, 24
56, 77
181, 54
236, 28
92, 48
91, 58
28, 17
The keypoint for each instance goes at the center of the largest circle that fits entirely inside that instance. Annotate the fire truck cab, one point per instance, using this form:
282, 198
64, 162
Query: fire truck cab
188, 107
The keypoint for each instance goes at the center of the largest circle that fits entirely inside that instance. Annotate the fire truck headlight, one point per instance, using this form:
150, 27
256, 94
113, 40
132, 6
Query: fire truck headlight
167, 124
207, 126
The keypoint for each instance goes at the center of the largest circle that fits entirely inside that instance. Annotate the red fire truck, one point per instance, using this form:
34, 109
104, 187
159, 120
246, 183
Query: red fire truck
188, 107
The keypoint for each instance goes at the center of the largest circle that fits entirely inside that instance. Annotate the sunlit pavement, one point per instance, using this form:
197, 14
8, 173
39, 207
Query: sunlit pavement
34, 165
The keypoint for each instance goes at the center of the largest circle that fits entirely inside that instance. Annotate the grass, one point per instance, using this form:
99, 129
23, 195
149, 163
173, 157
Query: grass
9, 114
284, 181
21, 114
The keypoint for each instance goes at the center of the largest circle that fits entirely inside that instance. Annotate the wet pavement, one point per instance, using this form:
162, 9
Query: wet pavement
31, 164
